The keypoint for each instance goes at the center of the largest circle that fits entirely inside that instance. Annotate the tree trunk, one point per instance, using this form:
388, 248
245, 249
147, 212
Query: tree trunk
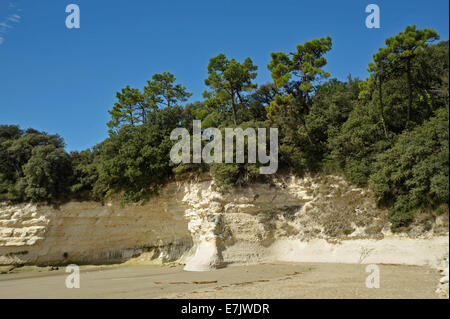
143, 113
380, 92
131, 118
306, 130
307, 102
410, 97
233, 109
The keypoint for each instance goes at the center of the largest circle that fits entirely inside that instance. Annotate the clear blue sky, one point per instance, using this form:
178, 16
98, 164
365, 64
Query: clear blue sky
64, 81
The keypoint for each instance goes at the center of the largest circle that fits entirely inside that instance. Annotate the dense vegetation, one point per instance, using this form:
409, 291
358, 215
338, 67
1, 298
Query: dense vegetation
388, 132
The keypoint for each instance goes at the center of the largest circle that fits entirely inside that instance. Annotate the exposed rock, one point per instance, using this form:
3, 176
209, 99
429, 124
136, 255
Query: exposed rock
442, 289
310, 219
307, 219
88, 232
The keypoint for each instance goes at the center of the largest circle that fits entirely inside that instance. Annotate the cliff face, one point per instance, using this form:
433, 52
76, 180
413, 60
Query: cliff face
320, 219
291, 219
88, 232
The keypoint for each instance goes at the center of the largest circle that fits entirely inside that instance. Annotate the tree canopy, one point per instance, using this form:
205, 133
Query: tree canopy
134, 107
388, 132
228, 81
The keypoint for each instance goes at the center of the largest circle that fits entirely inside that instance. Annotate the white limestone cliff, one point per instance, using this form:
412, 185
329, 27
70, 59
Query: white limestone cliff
311, 219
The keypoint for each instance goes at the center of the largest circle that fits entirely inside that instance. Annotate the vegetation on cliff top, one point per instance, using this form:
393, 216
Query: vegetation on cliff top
389, 132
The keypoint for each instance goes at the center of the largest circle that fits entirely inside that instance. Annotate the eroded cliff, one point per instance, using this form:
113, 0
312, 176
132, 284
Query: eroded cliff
89, 232
320, 218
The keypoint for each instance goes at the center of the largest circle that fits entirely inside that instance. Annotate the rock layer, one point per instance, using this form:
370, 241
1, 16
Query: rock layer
89, 232
442, 289
310, 219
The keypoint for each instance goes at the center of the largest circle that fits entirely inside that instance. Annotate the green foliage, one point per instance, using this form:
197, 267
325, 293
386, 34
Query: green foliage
228, 80
331, 107
46, 175
408, 43
258, 102
398, 57
136, 159
388, 131
228, 175
33, 165
413, 174
358, 142
136, 108
296, 74
162, 92
299, 73
85, 172
130, 102
239, 174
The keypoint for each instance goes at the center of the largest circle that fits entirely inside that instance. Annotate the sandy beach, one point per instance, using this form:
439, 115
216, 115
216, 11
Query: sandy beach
269, 280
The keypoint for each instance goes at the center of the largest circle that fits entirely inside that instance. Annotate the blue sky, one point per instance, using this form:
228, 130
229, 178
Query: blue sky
63, 81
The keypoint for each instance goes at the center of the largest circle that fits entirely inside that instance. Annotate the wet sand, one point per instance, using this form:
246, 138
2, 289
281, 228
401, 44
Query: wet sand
270, 280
